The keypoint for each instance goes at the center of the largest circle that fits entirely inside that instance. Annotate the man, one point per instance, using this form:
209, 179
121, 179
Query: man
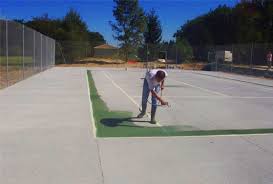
269, 60
153, 83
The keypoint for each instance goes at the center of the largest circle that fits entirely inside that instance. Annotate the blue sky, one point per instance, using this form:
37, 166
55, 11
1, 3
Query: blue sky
98, 13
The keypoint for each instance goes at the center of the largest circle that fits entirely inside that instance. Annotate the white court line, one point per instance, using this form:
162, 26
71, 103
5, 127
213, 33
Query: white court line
252, 97
218, 97
91, 108
124, 92
243, 81
202, 89
94, 128
189, 136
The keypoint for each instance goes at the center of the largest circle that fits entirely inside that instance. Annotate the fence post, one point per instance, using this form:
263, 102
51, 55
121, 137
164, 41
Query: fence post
216, 60
232, 50
0, 55
41, 62
7, 54
34, 51
23, 31
46, 52
176, 59
251, 59
54, 52
147, 67
86, 46
147, 53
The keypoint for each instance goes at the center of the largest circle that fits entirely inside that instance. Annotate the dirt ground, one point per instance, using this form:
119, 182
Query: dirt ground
194, 66
14, 75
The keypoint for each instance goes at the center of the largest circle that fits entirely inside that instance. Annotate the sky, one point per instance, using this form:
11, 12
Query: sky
97, 13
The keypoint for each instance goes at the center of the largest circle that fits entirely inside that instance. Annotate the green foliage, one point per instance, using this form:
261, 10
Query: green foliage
16, 60
152, 37
75, 27
48, 26
153, 33
75, 41
212, 28
69, 28
129, 25
249, 21
95, 38
184, 50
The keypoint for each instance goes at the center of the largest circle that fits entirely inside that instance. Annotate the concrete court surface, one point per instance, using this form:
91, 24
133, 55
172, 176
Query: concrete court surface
198, 101
45, 131
46, 137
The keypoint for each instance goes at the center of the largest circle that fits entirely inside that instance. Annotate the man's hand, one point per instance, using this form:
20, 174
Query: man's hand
164, 103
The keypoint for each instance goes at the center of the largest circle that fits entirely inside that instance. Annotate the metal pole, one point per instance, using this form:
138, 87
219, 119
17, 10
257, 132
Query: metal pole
61, 52
147, 56
7, 54
41, 53
232, 58
0, 55
34, 51
54, 52
86, 46
51, 53
46, 52
147, 52
23, 51
216, 64
176, 61
251, 59
166, 62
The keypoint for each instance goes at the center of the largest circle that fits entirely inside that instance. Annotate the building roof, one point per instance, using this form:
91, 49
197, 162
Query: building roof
105, 46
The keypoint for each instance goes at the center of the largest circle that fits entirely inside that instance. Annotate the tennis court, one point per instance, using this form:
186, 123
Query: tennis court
202, 103
46, 129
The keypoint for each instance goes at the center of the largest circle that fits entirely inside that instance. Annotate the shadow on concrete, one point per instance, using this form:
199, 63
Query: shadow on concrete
128, 122
174, 86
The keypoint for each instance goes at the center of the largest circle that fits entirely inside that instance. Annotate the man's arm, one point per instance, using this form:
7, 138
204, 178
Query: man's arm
159, 98
162, 84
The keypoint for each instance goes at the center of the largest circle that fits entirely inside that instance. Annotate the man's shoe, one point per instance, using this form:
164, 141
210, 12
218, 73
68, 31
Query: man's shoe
153, 122
141, 115
153, 111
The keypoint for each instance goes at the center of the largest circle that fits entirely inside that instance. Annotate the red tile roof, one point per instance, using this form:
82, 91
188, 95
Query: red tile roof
105, 46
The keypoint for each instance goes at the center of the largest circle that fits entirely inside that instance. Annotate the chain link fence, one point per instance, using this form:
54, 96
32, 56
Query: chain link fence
68, 52
23, 52
247, 59
80, 52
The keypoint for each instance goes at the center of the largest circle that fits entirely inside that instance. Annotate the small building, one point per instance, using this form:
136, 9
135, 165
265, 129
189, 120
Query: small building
223, 56
105, 50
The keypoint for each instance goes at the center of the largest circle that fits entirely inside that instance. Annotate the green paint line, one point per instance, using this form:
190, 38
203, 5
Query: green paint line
120, 123
115, 123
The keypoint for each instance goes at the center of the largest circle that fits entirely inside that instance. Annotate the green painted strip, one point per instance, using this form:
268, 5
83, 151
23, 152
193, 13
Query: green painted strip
120, 124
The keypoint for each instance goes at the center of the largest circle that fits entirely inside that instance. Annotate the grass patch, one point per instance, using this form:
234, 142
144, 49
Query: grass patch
120, 123
16, 60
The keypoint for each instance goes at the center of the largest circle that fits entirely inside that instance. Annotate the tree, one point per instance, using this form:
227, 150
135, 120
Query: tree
184, 51
129, 26
47, 26
153, 33
71, 33
248, 21
95, 38
75, 26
